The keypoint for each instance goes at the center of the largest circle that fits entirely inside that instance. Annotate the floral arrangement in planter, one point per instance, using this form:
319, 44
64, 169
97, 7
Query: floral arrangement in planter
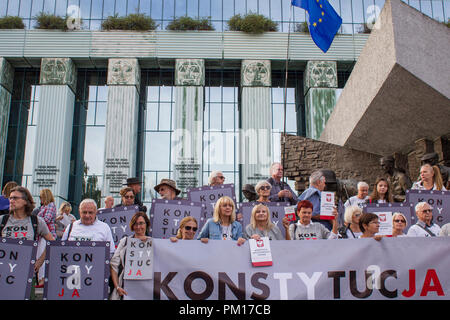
252, 23
135, 21
188, 23
11, 22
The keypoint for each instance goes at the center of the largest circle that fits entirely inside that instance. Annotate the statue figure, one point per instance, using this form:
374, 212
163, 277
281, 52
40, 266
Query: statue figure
398, 180
344, 188
433, 159
249, 192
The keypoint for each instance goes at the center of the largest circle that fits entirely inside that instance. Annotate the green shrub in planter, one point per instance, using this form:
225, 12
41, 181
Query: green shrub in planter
188, 23
252, 23
50, 21
10, 22
138, 22
302, 27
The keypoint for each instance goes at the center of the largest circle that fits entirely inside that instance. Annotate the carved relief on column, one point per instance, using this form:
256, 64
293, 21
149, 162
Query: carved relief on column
190, 72
320, 74
124, 72
58, 71
6, 75
256, 73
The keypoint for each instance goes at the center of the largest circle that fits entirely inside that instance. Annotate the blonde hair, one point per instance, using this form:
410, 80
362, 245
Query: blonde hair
437, 177
269, 223
224, 200
349, 212
46, 196
8, 187
183, 222
65, 205
399, 214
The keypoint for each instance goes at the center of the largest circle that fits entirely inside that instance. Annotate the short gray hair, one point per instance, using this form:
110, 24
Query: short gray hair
315, 177
212, 175
273, 166
362, 184
420, 206
88, 201
262, 183
349, 212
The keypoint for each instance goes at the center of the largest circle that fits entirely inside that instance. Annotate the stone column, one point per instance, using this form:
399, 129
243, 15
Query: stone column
320, 83
255, 145
121, 124
187, 139
51, 164
6, 87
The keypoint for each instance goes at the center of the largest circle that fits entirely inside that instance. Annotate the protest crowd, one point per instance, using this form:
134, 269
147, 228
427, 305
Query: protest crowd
310, 219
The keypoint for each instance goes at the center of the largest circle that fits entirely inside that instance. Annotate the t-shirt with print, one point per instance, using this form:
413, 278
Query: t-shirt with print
226, 233
23, 228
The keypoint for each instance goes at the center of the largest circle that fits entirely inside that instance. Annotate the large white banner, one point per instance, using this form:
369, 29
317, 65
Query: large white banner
393, 268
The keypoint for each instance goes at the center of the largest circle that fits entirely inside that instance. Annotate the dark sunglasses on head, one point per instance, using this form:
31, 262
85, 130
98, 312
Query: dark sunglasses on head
188, 228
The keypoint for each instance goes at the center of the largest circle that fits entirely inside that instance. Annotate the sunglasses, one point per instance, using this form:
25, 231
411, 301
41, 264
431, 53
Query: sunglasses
427, 210
264, 188
188, 228
129, 197
221, 177
398, 221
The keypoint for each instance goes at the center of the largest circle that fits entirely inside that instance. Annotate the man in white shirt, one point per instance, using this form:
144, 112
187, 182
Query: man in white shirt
360, 198
89, 228
424, 227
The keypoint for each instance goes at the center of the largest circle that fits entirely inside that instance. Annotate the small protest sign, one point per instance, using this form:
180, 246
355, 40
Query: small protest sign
438, 200
260, 252
118, 219
276, 210
405, 208
76, 270
327, 205
139, 259
209, 195
165, 216
17, 259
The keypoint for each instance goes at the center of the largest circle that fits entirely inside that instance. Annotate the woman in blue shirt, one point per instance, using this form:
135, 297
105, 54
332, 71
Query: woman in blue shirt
223, 225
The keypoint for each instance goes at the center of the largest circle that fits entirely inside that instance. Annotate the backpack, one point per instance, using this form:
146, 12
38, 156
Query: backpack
34, 223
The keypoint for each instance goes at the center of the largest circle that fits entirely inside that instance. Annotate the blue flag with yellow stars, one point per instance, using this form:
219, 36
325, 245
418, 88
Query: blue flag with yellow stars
323, 22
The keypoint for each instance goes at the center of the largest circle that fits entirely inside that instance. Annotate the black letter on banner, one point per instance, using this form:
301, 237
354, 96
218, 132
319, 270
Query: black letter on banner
188, 285
354, 287
225, 280
158, 285
384, 275
261, 286
336, 275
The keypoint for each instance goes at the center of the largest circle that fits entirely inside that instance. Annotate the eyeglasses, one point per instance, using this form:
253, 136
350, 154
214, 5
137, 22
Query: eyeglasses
264, 188
188, 228
399, 220
129, 197
16, 198
427, 210
221, 177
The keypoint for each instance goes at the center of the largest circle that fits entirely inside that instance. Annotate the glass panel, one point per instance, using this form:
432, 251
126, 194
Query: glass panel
108, 8
93, 25
100, 117
152, 116
92, 93
13, 8
205, 8
275, 10
229, 94
252, 6
3, 5
165, 93
157, 9
358, 16
215, 94
133, 6
165, 116
180, 8
447, 10
95, 141
121, 8
25, 8
36, 7
336, 5
216, 10
346, 11
228, 116
168, 11
264, 7
49, 6
215, 115
97, 8
228, 10
426, 7
144, 7
102, 93
192, 8
438, 11
152, 93
286, 12
347, 28
157, 151
239, 7
61, 8
90, 120
29, 150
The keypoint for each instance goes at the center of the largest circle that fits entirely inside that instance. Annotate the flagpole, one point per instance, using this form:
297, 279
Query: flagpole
285, 94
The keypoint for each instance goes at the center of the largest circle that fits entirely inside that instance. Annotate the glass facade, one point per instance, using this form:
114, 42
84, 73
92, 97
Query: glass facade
354, 13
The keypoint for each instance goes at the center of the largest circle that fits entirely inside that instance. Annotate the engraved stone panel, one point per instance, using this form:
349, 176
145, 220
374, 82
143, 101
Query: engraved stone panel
190, 72
321, 74
58, 71
124, 72
256, 73
6, 74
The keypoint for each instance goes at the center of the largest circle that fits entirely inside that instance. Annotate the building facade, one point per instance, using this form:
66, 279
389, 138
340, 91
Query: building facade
82, 110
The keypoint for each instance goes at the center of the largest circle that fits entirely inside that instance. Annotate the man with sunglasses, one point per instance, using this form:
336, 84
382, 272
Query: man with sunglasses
216, 178
424, 227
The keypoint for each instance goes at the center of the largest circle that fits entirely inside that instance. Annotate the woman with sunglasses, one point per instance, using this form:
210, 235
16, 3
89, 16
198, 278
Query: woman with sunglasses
186, 231
127, 197
223, 225
262, 226
398, 224
140, 225
351, 229
369, 225
262, 189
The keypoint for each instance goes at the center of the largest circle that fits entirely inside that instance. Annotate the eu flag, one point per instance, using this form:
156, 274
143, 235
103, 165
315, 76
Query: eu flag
324, 22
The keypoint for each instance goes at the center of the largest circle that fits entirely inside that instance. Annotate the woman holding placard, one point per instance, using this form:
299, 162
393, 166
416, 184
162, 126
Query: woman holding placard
261, 225
186, 231
381, 192
430, 179
369, 225
140, 225
223, 225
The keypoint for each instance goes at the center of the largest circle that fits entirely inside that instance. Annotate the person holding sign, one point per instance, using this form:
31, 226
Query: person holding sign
381, 192
140, 225
305, 229
186, 231
223, 225
430, 179
424, 227
369, 226
399, 223
262, 226
351, 229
